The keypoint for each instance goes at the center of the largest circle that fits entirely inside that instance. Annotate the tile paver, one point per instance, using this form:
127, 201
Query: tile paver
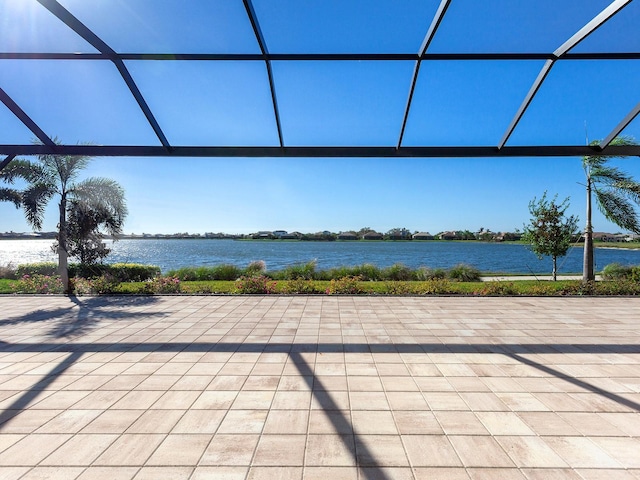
308, 388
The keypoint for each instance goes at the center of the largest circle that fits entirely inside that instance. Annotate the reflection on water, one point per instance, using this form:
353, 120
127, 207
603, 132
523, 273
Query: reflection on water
171, 254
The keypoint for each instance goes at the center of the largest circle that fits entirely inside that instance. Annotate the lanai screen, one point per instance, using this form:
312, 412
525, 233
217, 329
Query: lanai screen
319, 78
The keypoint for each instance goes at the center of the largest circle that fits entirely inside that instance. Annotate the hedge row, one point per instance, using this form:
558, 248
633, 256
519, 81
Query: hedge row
120, 272
308, 271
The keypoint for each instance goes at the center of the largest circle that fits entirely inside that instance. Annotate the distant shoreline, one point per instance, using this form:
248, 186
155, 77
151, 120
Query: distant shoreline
610, 245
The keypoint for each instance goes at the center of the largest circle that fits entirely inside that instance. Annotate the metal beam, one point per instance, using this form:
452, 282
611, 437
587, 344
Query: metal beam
431, 32
621, 126
81, 29
6, 161
253, 18
592, 26
435, 23
575, 39
319, 57
546, 68
24, 118
142, 103
323, 152
407, 108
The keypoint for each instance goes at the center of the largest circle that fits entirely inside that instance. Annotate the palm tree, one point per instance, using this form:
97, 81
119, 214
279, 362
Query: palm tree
615, 193
53, 175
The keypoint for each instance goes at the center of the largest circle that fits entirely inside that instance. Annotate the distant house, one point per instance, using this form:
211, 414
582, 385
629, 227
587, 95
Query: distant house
347, 236
288, 236
372, 236
507, 237
262, 235
422, 236
448, 235
399, 234
604, 237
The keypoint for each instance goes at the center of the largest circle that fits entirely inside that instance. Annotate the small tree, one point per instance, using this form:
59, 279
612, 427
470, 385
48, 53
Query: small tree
550, 231
85, 240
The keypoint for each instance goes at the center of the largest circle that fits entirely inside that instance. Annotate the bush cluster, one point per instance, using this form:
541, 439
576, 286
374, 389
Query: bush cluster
616, 271
301, 286
258, 284
43, 284
42, 268
225, 272
345, 286
8, 272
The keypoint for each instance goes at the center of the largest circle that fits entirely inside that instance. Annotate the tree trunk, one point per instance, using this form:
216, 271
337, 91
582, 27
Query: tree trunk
555, 268
63, 264
587, 266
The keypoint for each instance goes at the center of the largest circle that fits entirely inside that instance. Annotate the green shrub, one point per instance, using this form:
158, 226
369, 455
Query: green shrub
616, 271
345, 286
624, 287
426, 273
225, 271
635, 273
43, 268
257, 267
464, 273
397, 272
498, 288
366, 271
186, 274
305, 271
579, 288
81, 286
164, 285
397, 288
302, 286
39, 284
543, 289
83, 270
8, 272
435, 286
133, 272
258, 284
104, 284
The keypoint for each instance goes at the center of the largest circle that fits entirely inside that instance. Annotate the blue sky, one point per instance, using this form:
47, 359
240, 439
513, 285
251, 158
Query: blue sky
323, 103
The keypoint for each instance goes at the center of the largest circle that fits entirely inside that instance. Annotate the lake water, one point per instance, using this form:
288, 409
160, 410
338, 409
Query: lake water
171, 254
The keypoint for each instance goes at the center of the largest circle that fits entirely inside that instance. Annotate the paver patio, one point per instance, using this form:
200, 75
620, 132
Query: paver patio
277, 387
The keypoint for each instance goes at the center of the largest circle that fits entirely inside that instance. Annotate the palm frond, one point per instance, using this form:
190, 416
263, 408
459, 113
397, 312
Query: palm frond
22, 169
11, 195
608, 175
63, 167
618, 209
34, 202
630, 189
105, 198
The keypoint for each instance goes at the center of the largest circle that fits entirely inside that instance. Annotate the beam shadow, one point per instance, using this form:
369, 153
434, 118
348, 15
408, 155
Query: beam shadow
504, 349
374, 470
30, 395
580, 383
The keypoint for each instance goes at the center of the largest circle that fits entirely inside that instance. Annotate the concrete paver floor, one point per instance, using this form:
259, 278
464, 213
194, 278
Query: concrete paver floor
276, 387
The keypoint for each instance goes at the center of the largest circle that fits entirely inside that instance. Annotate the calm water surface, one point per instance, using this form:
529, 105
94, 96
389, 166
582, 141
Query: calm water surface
171, 254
